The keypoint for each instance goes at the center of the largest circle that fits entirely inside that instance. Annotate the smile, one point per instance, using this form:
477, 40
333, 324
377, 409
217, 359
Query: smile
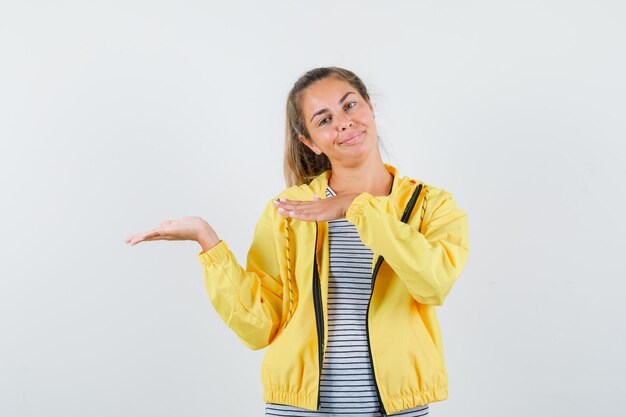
352, 139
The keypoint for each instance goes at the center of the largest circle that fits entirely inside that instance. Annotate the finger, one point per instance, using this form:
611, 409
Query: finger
306, 216
291, 203
154, 234
296, 205
293, 213
284, 206
298, 214
284, 201
137, 239
279, 201
133, 238
137, 236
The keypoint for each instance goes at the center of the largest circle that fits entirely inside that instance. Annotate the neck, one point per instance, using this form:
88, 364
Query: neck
371, 176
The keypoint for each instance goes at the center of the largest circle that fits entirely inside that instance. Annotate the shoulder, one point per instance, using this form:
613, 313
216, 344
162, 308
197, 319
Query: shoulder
303, 192
297, 192
433, 199
407, 185
440, 205
306, 191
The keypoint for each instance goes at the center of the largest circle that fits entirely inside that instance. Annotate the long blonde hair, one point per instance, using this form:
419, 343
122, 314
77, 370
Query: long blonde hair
301, 164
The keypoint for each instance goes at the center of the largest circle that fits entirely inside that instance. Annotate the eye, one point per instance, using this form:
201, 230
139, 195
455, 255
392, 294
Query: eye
323, 121
350, 105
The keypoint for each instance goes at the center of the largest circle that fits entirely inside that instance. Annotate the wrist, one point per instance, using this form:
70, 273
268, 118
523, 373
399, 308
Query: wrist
207, 239
349, 199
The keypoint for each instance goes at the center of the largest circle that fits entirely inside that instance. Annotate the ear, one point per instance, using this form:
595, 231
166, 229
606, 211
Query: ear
309, 143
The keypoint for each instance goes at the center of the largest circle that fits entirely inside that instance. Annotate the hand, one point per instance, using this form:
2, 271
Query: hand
323, 210
187, 228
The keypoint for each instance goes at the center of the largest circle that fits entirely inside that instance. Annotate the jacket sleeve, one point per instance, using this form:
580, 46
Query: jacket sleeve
428, 263
248, 300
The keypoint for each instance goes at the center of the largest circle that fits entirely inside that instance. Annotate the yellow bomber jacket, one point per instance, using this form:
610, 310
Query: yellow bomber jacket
279, 298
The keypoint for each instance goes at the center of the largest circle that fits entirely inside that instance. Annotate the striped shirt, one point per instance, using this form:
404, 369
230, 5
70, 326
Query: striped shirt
347, 383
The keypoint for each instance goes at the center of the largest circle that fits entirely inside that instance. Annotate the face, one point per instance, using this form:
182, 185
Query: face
340, 122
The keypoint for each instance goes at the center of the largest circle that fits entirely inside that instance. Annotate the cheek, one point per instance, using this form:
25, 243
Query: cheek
328, 138
366, 116
320, 139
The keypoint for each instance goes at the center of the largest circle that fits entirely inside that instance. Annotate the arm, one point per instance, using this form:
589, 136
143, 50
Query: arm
248, 300
428, 263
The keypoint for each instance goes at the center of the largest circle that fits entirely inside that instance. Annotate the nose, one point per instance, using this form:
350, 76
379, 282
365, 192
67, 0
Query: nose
345, 123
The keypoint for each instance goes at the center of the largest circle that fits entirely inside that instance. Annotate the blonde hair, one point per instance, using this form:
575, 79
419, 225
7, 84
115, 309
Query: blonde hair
301, 164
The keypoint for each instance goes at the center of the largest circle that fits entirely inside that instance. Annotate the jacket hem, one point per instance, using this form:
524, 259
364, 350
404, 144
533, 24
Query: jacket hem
307, 401
397, 403
393, 404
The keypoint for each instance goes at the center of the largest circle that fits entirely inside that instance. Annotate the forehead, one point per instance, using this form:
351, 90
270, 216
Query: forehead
324, 94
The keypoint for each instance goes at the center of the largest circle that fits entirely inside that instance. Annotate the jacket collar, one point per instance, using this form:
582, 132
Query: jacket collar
319, 184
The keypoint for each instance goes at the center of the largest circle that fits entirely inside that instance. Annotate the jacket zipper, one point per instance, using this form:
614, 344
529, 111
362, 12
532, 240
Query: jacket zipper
319, 317
382, 410
405, 218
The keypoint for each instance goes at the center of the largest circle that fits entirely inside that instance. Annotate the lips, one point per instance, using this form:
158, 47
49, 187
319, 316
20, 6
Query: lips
351, 138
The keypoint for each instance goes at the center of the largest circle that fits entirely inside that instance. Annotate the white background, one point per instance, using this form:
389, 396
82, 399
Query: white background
116, 115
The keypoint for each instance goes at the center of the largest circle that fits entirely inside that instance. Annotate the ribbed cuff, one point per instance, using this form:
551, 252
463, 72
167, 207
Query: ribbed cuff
215, 254
357, 206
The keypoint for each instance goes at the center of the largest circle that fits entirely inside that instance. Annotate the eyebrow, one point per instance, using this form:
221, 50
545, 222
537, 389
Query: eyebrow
341, 100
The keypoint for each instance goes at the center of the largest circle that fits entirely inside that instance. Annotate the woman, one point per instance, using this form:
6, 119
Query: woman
345, 268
